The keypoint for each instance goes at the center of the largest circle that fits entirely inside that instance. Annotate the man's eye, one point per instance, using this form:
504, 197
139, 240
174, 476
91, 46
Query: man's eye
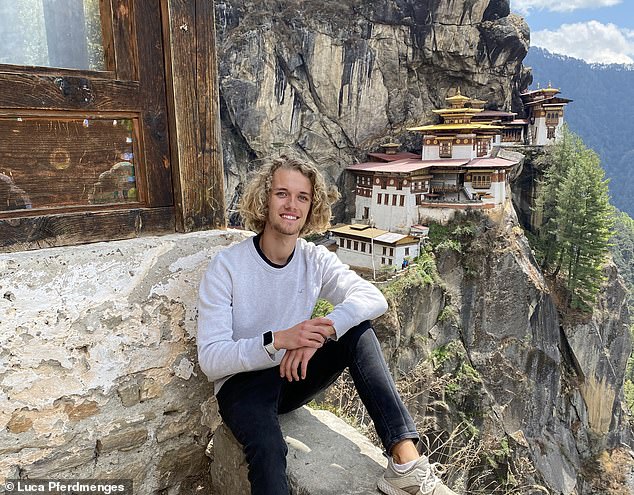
304, 198
281, 194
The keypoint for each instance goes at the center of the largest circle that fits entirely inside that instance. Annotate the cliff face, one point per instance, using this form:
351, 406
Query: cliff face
551, 386
329, 80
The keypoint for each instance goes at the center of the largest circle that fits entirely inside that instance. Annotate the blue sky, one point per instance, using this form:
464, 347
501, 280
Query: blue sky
593, 30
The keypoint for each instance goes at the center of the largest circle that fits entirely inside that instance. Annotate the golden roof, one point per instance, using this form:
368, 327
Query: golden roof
465, 110
456, 127
457, 97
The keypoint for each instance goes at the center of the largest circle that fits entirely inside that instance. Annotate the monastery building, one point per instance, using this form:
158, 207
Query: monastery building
397, 193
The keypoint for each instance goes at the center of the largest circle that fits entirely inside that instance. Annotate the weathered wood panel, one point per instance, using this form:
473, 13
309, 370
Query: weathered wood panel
107, 34
55, 162
209, 117
154, 129
20, 234
125, 39
82, 158
67, 92
195, 126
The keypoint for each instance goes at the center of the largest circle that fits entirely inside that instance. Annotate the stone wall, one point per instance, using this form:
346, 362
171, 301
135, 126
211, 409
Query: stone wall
98, 373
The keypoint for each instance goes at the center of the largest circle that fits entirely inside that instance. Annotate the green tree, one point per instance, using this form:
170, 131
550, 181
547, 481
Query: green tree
577, 219
584, 223
623, 252
556, 161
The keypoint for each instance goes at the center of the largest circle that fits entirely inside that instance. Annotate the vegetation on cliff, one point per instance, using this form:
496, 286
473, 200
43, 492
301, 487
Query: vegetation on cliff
577, 219
622, 249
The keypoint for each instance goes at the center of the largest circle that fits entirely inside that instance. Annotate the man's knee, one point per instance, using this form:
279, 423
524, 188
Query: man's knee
355, 333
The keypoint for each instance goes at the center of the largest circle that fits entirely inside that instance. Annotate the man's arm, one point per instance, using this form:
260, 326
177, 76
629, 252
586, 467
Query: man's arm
219, 354
355, 300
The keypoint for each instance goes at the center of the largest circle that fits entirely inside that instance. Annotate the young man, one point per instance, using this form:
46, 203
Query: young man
267, 356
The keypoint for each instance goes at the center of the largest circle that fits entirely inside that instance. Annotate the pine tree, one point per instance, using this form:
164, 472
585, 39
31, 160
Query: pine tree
556, 160
578, 219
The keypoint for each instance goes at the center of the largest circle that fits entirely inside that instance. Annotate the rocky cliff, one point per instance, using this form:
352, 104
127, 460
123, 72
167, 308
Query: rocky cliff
483, 349
328, 80
540, 388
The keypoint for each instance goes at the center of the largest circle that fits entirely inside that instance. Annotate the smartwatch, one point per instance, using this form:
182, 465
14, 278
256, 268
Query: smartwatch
267, 342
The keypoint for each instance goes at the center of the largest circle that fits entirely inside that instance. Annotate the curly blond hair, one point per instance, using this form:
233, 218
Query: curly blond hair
254, 204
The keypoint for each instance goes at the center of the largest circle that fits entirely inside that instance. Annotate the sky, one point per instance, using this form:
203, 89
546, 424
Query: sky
597, 31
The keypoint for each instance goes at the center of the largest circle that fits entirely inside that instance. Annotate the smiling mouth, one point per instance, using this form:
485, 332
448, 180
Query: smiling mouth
289, 217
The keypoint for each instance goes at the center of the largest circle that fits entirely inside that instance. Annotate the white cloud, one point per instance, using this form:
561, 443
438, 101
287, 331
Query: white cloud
591, 41
525, 6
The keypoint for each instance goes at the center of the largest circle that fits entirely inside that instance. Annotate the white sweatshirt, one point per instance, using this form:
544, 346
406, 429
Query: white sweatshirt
242, 296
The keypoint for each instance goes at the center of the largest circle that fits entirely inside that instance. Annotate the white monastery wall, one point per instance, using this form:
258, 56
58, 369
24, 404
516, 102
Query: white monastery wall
431, 153
387, 216
440, 215
462, 151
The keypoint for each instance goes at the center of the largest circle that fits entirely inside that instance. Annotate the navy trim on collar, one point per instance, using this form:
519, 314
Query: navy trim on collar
256, 243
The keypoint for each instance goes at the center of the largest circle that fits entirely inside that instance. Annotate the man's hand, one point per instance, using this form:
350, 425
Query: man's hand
308, 333
292, 361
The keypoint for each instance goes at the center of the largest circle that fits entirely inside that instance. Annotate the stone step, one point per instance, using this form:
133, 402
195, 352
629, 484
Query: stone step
326, 456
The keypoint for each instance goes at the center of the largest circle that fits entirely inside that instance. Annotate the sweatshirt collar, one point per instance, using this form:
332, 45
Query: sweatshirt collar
256, 243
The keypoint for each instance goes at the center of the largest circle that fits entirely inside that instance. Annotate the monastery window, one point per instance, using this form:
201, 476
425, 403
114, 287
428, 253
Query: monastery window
391, 251
445, 149
88, 136
406, 251
483, 147
340, 242
419, 199
356, 245
402, 200
394, 199
366, 213
383, 261
384, 250
363, 247
348, 243
481, 181
378, 198
550, 134
370, 248
386, 199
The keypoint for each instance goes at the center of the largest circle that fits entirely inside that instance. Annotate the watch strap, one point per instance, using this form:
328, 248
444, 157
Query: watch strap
268, 341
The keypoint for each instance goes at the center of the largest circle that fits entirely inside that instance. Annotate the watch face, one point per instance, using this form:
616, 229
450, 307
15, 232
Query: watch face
268, 338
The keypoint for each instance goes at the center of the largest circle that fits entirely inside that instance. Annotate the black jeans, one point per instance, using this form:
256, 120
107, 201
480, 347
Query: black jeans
250, 402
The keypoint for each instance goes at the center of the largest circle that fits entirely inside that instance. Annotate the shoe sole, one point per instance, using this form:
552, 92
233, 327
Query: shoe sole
389, 489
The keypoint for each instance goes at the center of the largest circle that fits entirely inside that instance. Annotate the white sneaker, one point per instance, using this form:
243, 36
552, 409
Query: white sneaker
420, 479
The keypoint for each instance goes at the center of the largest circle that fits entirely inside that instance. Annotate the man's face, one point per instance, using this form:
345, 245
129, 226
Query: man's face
289, 201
